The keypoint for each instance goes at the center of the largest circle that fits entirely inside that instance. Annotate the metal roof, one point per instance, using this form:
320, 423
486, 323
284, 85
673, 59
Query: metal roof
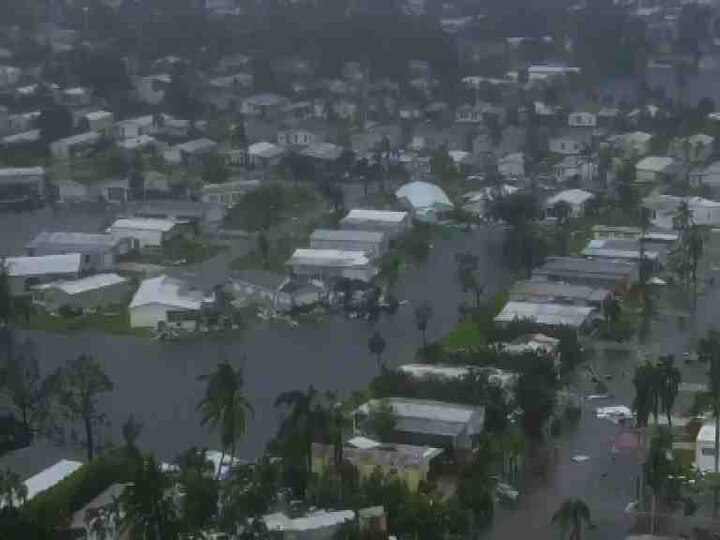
347, 235
555, 290
577, 265
68, 263
328, 257
546, 314
407, 409
148, 224
386, 216
167, 291
90, 283
49, 477
80, 241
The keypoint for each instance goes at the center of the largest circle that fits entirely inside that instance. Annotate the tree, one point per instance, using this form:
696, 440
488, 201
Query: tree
21, 382
13, 492
562, 211
225, 406
694, 245
78, 385
535, 395
376, 346
476, 491
55, 122
423, 314
130, 430
5, 296
709, 354
572, 514
468, 276
381, 421
137, 179
200, 489
669, 378
646, 399
657, 468
263, 247
611, 310
146, 507
214, 170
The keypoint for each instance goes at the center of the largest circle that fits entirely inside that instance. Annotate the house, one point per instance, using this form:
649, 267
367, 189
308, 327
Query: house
707, 176
22, 182
469, 114
425, 200
582, 119
512, 165
631, 145
316, 525
541, 344
408, 462
479, 202
49, 477
227, 194
265, 155
425, 422
132, 128
654, 169
546, 315
112, 190
97, 120
663, 209
85, 522
145, 232
195, 151
20, 139
572, 168
612, 275
24, 272
372, 243
163, 300
693, 149
387, 221
552, 292
151, 89
575, 199
75, 146
565, 145
200, 216
99, 251
504, 379
274, 292
705, 448
86, 293
372, 139
332, 264
323, 152
265, 105
628, 250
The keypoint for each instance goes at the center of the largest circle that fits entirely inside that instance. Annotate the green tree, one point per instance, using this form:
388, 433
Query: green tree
657, 469
54, 123
5, 296
423, 314
13, 492
381, 421
535, 395
147, 509
476, 491
709, 354
694, 245
200, 491
669, 378
611, 310
214, 170
263, 247
225, 406
572, 515
468, 275
647, 400
77, 385
376, 346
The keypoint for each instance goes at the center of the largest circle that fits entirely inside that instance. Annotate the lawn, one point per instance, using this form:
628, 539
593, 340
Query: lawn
271, 205
189, 251
112, 322
278, 253
465, 335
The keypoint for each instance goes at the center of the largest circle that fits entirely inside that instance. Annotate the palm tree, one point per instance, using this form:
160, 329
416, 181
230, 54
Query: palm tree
694, 246
145, 505
669, 384
225, 405
646, 399
376, 346
423, 314
573, 514
476, 491
709, 353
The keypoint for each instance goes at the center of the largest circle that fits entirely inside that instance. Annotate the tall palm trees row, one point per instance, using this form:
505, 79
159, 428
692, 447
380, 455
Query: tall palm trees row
656, 388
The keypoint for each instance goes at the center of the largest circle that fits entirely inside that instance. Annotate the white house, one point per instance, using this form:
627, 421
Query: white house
132, 128
318, 525
99, 251
29, 180
705, 448
663, 209
693, 149
582, 119
565, 146
632, 145
98, 120
70, 147
547, 315
542, 72
25, 272
572, 167
707, 176
576, 199
145, 231
163, 300
387, 221
654, 169
228, 193
151, 89
332, 264
267, 104
85, 293
425, 200
265, 154
298, 137
512, 165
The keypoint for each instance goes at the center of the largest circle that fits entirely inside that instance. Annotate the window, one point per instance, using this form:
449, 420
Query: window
708, 451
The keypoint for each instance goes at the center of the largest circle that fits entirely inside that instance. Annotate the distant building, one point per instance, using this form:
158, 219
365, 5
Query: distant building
693, 149
558, 293
200, 216
612, 275
274, 292
575, 199
75, 146
512, 165
582, 119
145, 232
434, 423
265, 105
654, 170
705, 448
565, 145
132, 128
373, 243
99, 251
426, 201
547, 315
635, 144
317, 525
90, 292
229, 193
151, 89
390, 222
163, 301
98, 120
25, 272
627, 250
332, 264
17, 183
663, 209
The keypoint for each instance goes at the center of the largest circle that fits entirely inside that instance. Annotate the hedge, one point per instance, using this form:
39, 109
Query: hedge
55, 507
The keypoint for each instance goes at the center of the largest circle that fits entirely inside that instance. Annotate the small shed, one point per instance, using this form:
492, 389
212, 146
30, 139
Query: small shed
86, 293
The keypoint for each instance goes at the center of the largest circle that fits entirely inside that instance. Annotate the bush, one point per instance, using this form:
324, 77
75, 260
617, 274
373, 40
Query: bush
54, 507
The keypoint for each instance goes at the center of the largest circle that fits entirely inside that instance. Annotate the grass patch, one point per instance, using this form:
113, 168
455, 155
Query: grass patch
467, 334
178, 251
270, 205
278, 253
115, 322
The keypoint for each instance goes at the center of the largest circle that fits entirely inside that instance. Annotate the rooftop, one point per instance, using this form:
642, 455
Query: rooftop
90, 283
654, 163
579, 265
68, 263
321, 519
556, 290
388, 216
261, 278
148, 224
573, 197
328, 257
47, 478
265, 150
423, 195
197, 146
425, 409
347, 236
11, 172
546, 314
323, 150
167, 291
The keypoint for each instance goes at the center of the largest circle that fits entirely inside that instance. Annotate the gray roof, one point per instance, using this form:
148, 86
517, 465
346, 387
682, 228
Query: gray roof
169, 206
260, 278
73, 242
347, 236
551, 290
576, 266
